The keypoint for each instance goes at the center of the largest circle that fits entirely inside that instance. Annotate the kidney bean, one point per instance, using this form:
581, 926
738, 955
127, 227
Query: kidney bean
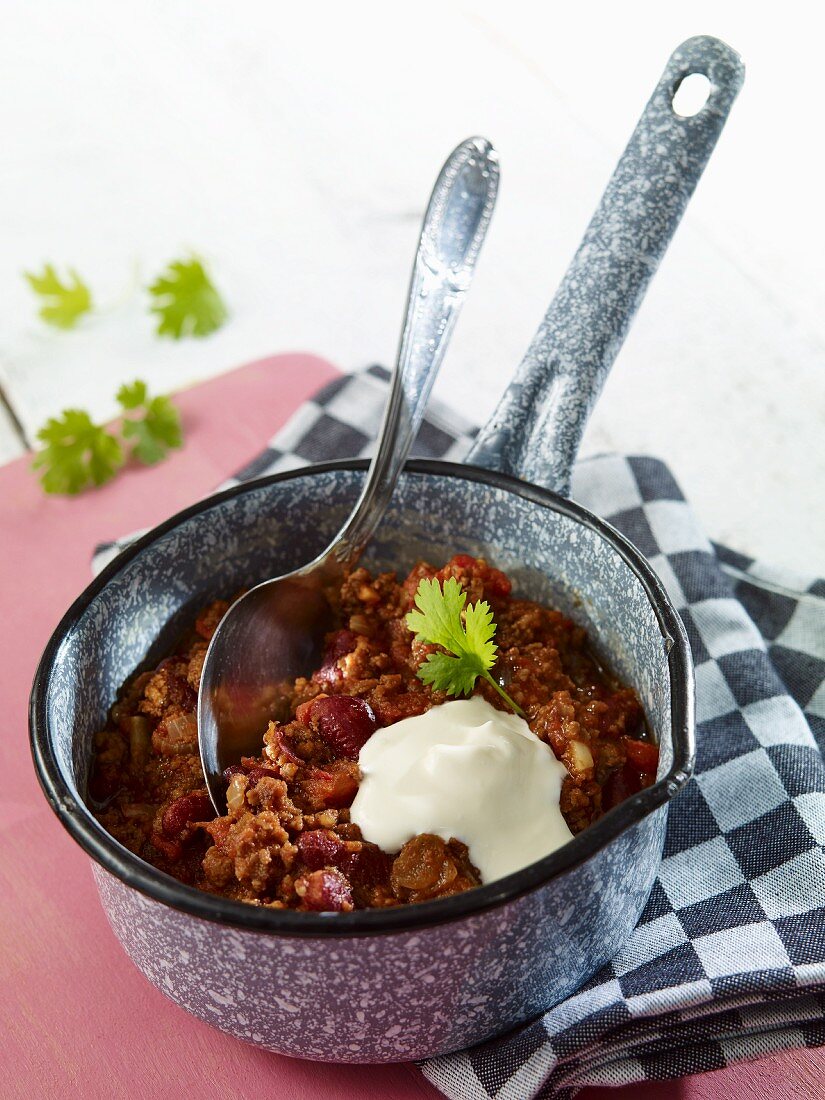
328, 891
286, 749
363, 863
369, 866
340, 644
320, 848
345, 723
188, 808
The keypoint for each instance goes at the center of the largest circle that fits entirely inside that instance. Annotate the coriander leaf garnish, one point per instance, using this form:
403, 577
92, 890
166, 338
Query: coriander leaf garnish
64, 303
159, 429
471, 651
78, 453
186, 300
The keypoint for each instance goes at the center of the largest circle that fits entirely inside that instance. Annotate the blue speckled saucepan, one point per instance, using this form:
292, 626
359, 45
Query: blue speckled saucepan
412, 982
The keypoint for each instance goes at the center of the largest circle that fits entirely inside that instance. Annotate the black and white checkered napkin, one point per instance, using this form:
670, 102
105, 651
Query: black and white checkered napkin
728, 960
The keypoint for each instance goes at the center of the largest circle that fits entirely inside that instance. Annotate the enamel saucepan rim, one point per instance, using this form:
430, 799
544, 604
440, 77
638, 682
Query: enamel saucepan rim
135, 872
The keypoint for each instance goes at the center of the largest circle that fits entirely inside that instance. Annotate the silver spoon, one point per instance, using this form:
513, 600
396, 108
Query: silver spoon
276, 631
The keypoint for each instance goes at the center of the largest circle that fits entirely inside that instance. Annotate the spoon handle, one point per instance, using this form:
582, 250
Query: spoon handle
454, 228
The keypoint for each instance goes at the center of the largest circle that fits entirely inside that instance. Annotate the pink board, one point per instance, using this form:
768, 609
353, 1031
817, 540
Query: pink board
76, 1018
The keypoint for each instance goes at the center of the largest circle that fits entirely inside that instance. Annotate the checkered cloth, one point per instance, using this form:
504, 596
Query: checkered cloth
727, 962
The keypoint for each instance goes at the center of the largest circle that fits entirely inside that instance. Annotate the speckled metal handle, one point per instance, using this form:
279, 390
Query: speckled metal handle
537, 427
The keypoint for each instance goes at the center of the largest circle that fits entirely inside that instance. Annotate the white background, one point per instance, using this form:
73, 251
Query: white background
294, 147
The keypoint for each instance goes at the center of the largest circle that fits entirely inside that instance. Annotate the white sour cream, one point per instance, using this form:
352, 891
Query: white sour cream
464, 770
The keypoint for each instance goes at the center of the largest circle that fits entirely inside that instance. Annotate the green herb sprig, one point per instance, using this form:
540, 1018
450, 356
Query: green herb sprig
186, 301
64, 301
157, 430
183, 298
78, 453
466, 633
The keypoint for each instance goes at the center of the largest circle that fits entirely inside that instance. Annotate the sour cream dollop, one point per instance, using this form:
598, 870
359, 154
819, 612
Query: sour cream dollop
463, 770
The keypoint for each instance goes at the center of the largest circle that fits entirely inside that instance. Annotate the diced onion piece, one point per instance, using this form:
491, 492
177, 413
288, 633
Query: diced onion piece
581, 758
138, 811
235, 793
183, 727
176, 735
358, 624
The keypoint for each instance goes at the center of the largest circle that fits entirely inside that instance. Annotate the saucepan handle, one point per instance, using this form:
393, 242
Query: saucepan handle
536, 429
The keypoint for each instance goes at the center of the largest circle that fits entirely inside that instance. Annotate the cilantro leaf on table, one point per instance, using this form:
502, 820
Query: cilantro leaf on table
471, 651
64, 303
186, 301
77, 453
159, 429
132, 395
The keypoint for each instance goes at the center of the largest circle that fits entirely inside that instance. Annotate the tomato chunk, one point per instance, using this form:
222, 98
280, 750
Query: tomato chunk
643, 754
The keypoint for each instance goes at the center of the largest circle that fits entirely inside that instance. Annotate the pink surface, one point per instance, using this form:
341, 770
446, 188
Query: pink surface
75, 1016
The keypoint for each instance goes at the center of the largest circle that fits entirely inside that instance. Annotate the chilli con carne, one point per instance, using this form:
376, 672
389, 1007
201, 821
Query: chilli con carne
287, 840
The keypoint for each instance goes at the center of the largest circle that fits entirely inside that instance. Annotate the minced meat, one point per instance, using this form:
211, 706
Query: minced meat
287, 840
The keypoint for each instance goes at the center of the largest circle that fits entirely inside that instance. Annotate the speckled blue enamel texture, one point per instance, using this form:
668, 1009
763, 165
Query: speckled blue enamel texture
416, 981
421, 990
538, 425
